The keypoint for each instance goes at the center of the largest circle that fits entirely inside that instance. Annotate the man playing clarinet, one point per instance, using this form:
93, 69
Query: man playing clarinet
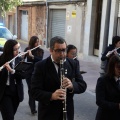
46, 83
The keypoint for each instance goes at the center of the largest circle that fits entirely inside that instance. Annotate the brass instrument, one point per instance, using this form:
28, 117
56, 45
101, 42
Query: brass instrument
62, 75
19, 55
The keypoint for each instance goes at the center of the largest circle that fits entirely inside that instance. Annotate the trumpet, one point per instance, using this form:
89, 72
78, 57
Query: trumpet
19, 55
61, 78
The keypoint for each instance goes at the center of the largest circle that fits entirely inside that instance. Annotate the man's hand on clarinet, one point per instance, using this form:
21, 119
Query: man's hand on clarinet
59, 94
67, 83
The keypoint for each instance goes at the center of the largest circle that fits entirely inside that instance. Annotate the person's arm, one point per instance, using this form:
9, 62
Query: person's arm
104, 55
101, 93
35, 58
37, 85
79, 85
108, 53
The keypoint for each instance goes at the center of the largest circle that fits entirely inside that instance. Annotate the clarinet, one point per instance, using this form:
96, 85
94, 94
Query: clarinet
61, 78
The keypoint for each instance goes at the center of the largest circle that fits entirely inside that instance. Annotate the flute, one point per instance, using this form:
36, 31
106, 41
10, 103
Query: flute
110, 52
30, 50
75, 57
19, 55
61, 77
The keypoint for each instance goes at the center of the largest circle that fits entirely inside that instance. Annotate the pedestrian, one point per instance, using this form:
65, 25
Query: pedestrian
11, 86
33, 57
112, 49
72, 53
45, 86
108, 92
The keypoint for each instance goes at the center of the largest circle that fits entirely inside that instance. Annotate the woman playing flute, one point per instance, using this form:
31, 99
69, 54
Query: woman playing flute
11, 86
111, 50
33, 56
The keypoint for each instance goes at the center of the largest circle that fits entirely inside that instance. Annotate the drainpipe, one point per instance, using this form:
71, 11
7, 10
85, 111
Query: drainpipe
46, 41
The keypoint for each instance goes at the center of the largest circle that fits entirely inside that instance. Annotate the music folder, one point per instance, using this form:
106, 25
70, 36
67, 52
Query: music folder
23, 66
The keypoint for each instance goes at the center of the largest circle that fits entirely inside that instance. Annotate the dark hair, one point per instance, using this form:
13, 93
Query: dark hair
70, 47
56, 39
8, 50
114, 60
32, 41
115, 39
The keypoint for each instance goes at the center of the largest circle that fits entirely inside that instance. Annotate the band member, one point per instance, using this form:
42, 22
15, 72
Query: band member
33, 56
72, 53
11, 87
112, 49
45, 86
108, 92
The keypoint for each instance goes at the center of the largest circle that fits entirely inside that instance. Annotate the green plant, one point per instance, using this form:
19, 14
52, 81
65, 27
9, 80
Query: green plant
8, 5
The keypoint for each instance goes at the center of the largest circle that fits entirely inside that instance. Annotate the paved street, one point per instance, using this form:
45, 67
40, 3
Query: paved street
85, 107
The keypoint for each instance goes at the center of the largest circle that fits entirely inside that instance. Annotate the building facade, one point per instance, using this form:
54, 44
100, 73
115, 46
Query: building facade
88, 24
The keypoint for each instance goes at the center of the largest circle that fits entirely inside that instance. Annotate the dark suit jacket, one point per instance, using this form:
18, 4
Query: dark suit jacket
107, 99
38, 56
45, 81
3, 81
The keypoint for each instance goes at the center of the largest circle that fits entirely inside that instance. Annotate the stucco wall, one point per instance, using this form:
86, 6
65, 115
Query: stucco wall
74, 23
36, 21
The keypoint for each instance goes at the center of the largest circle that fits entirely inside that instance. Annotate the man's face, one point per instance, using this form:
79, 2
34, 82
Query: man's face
58, 52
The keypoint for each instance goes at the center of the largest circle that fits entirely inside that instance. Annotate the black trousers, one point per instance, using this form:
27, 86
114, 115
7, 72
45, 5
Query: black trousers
9, 105
31, 101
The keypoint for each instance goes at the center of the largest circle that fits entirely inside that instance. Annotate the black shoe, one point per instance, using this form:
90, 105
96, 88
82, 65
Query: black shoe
34, 112
82, 72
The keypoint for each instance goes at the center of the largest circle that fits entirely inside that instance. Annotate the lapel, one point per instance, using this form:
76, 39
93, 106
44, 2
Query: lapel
66, 68
114, 83
52, 70
69, 72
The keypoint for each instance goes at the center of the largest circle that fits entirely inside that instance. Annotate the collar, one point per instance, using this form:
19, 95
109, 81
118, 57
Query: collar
52, 58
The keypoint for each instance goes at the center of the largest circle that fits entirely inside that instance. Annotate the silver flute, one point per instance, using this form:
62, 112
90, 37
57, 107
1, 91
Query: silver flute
62, 75
19, 55
113, 51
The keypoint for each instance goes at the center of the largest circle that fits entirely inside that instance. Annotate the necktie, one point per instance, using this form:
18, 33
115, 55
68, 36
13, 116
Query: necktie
58, 69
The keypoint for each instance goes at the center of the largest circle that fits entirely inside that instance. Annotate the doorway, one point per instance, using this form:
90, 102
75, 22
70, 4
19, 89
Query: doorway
97, 27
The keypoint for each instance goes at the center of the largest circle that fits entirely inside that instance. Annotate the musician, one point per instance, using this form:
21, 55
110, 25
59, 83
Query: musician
33, 56
11, 86
108, 92
110, 50
72, 53
45, 86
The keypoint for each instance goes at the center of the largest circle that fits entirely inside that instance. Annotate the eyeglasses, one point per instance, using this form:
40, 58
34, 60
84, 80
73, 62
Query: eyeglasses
60, 50
74, 54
